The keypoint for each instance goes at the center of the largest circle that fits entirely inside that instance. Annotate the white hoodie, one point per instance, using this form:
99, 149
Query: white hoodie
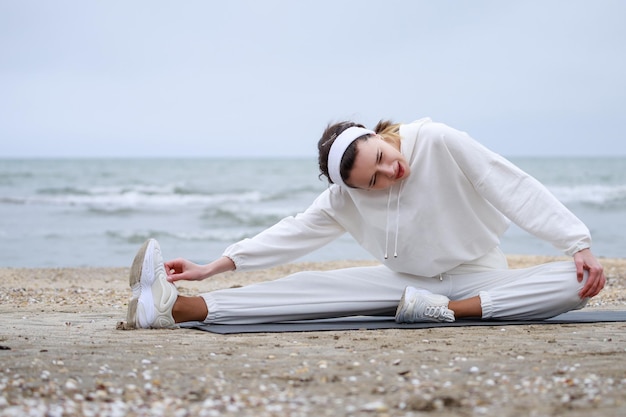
451, 209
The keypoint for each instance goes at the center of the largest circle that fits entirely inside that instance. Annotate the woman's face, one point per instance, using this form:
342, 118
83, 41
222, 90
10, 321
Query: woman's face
378, 165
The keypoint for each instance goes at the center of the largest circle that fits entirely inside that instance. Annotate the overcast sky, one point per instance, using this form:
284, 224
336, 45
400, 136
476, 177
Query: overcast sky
263, 78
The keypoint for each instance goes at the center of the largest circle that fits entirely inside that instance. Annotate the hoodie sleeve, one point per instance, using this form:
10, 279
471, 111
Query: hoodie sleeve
516, 194
289, 239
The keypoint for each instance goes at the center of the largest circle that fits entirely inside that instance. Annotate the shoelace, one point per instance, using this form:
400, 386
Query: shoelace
435, 311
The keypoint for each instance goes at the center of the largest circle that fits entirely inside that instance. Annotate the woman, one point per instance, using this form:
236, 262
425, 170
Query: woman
429, 203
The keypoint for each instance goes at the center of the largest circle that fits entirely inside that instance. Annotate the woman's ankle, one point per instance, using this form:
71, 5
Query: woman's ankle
189, 309
470, 307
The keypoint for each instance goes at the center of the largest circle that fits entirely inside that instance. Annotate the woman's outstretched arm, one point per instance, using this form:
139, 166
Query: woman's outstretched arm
183, 269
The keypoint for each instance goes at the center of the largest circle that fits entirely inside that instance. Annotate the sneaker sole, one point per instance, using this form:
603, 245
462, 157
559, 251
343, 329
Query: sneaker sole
137, 266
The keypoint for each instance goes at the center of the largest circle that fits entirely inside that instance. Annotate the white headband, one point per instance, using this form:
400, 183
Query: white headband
338, 148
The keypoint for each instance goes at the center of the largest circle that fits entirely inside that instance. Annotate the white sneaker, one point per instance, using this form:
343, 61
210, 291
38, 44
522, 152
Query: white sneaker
421, 305
153, 296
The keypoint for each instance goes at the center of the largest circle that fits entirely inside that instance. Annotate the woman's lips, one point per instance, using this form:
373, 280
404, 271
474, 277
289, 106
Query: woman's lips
400, 172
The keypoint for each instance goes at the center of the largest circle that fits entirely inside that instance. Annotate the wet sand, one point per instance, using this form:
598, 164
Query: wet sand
61, 355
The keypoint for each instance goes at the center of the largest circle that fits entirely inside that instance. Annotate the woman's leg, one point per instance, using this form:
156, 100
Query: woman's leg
189, 309
195, 309
314, 295
469, 307
538, 292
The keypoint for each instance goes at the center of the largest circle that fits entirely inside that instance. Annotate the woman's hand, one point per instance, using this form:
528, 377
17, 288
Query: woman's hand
183, 269
585, 260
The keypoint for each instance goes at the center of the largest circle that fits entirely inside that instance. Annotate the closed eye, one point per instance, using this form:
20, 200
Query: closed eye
379, 157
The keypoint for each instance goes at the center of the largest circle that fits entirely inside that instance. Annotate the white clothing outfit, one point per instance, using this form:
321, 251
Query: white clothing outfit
438, 229
538, 292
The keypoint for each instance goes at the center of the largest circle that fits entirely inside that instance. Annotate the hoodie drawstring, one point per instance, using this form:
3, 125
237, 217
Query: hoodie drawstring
395, 248
387, 224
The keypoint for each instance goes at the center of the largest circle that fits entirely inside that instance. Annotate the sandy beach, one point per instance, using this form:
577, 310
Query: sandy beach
61, 355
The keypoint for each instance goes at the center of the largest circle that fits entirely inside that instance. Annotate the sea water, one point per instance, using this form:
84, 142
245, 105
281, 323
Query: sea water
96, 212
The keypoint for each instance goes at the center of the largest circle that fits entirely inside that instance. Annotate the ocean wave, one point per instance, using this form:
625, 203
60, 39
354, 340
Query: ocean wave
250, 216
145, 189
123, 199
204, 235
286, 194
116, 199
70, 191
592, 195
14, 177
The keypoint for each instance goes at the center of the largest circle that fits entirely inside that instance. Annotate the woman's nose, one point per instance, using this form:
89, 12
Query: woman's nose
387, 170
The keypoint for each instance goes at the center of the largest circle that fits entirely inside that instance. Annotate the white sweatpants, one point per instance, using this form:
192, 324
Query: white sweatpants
538, 292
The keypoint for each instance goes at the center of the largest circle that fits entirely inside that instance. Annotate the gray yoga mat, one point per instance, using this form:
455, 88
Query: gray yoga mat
378, 322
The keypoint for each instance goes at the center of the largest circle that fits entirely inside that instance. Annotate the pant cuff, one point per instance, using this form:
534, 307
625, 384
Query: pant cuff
211, 306
486, 304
